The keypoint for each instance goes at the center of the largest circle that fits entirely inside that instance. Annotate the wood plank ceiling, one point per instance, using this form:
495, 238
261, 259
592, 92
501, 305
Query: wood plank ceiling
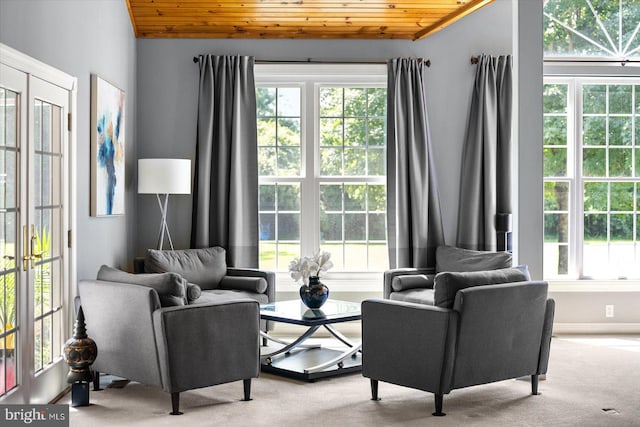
318, 19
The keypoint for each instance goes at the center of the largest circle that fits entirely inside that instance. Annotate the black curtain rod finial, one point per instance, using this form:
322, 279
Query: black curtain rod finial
195, 59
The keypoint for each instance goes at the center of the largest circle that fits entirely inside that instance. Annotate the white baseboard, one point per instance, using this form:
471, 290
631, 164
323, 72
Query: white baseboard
596, 328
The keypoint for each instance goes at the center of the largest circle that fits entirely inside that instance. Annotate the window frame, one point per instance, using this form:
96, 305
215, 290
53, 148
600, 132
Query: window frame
575, 76
310, 78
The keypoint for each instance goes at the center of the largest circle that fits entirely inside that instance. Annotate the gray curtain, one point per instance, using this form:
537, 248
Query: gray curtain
225, 194
485, 179
414, 221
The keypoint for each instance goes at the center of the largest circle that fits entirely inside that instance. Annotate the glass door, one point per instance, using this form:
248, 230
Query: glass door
33, 243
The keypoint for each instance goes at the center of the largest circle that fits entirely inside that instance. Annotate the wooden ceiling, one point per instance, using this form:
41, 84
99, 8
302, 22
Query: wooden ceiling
296, 19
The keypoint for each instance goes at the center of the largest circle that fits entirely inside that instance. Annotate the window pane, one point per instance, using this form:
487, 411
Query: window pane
267, 226
555, 162
266, 161
594, 162
377, 132
288, 197
288, 226
266, 132
595, 228
330, 197
267, 197
331, 132
620, 97
330, 161
289, 131
377, 227
594, 99
620, 130
556, 196
289, 161
331, 101
355, 102
266, 101
330, 227
377, 198
354, 226
355, 132
354, 197
355, 255
595, 196
555, 130
622, 227
377, 102
620, 162
377, 162
355, 161
594, 131
622, 196
556, 228
555, 98
288, 102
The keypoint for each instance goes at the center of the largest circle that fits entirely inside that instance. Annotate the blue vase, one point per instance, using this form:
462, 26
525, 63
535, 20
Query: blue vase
315, 293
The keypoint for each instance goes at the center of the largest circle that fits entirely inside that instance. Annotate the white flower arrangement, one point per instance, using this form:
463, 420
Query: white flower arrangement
305, 267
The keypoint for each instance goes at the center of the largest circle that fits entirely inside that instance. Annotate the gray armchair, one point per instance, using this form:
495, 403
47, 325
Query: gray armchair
472, 335
174, 345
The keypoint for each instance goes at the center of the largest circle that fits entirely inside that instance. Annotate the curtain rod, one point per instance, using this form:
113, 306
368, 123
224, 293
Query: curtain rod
314, 61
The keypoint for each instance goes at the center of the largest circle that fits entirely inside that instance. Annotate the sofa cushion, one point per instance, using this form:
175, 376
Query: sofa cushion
449, 258
447, 283
411, 281
240, 283
419, 296
169, 286
204, 267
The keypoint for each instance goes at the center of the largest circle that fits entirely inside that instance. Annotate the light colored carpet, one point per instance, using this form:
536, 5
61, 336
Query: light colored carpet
592, 381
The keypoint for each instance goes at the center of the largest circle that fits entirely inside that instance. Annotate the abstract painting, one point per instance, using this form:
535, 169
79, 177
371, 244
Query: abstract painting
107, 148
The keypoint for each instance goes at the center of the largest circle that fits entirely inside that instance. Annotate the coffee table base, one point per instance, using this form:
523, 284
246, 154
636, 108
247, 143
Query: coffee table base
296, 363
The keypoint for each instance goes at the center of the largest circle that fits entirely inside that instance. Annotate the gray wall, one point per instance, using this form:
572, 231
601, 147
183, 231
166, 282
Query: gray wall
80, 38
168, 80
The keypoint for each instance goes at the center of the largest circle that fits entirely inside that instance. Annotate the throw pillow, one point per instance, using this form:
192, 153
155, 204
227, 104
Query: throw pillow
204, 267
193, 292
449, 258
411, 281
447, 284
250, 284
169, 286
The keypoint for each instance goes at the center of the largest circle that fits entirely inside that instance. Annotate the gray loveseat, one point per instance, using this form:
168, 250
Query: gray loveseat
467, 328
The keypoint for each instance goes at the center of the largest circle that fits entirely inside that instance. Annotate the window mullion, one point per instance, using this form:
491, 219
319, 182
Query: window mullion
309, 198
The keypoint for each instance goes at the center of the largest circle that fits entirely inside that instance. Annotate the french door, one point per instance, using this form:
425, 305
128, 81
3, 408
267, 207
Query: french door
34, 220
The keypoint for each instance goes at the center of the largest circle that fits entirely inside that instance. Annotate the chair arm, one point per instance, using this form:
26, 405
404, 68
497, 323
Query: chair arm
547, 330
269, 276
119, 318
408, 344
389, 275
207, 344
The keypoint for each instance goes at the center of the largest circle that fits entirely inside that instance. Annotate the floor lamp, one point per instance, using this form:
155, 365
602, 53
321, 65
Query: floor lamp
164, 177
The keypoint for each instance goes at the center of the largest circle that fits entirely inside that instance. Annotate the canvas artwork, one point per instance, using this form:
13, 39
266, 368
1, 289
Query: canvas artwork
107, 148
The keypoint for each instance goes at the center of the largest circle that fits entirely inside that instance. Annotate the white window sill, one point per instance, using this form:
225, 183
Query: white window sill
594, 285
337, 282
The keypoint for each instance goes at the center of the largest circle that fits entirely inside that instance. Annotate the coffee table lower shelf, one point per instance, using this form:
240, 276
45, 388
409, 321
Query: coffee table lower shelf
294, 364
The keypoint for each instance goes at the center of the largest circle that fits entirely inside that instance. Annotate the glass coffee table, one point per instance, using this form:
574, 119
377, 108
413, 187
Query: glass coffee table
309, 362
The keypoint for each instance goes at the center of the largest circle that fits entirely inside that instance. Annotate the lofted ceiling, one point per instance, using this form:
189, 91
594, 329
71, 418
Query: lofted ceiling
296, 19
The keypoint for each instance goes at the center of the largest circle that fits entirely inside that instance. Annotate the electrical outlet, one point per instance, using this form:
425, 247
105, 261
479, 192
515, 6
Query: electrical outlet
608, 310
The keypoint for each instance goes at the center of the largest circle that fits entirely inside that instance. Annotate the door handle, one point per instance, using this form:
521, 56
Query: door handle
29, 247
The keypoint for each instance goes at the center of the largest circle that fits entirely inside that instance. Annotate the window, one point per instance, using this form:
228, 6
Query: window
592, 177
322, 161
591, 140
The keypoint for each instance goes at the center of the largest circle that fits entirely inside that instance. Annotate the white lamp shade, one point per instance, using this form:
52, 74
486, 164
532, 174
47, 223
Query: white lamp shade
164, 176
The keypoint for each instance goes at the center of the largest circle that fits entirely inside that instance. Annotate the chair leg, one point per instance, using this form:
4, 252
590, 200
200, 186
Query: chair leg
175, 404
247, 389
96, 381
374, 390
534, 384
438, 400
264, 342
